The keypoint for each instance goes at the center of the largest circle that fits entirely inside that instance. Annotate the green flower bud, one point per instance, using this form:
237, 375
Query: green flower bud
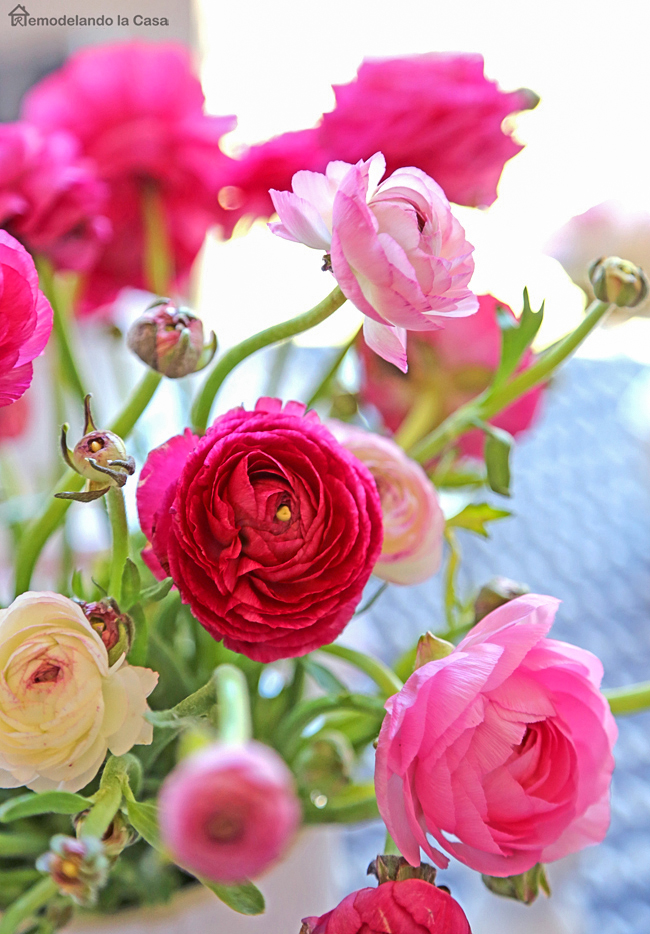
495, 593
170, 340
617, 280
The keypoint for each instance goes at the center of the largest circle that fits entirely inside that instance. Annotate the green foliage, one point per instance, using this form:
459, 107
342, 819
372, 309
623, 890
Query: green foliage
474, 517
516, 338
47, 802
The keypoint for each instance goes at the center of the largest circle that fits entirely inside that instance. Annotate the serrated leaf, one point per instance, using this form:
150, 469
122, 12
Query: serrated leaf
130, 584
143, 815
498, 445
245, 898
516, 337
156, 592
323, 677
47, 802
475, 515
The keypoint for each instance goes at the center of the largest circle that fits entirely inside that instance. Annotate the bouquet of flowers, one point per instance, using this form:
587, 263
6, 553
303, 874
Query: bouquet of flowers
175, 711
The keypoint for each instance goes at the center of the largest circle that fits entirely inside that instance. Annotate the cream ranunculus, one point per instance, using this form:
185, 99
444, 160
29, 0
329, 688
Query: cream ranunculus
62, 706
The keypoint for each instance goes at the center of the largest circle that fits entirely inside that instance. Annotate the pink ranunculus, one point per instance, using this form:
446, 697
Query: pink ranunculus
397, 251
14, 419
268, 526
228, 812
448, 368
436, 111
137, 109
500, 753
50, 198
25, 318
413, 519
411, 906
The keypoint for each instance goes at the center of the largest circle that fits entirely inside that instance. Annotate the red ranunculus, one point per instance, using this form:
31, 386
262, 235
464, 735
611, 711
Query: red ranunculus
267, 525
137, 109
25, 318
50, 198
411, 906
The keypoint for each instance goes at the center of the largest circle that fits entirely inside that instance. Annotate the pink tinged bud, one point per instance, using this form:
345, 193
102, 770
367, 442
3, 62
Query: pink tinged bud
115, 629
170, 340
79, 867
229, 812
411, 512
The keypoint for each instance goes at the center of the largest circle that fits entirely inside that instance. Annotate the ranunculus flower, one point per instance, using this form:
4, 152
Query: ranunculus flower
397, 252
61, 705
413, 519
14, 419
50, 198
137, 109
501, 752
228, 812
447, 368
411, 906
268, 526
25, 319
436, 111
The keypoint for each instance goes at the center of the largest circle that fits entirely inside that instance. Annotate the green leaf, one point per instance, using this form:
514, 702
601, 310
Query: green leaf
323, 677
77, 586
245, 898
143, 816
475, 515
516, 337
498, 445
156, 592
47, 802
140, 646
130, 584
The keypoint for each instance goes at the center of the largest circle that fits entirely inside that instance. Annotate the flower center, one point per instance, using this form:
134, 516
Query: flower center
225, 828
283, 514
46, 672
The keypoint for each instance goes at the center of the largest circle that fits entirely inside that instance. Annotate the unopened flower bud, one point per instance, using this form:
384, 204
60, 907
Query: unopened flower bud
619, 281
100, 457
495, 593
118, 836
114, 628
389, 868
430, 649
79, 867
170, 340
524, 887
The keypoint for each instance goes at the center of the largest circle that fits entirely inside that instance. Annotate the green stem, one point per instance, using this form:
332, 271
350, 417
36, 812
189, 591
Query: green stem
119, 773
324, 384
288, 732
494, 400
233, 705
158, 260
67, 360
38, 533
234, 356
423, 415
385, 679
27, 905
120, 533
631, 699
390, 847
453, 563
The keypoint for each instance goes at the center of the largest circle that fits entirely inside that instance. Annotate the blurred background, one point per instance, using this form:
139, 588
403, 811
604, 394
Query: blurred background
582, 503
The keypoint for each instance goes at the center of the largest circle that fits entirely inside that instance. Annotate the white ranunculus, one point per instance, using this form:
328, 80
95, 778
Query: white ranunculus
62, 706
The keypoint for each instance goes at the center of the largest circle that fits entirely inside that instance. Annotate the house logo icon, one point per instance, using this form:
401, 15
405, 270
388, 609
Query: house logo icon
19, 15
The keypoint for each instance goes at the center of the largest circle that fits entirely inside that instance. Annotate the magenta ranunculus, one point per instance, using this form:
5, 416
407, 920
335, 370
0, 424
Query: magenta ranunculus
228, 812
448, 368
137, 109
501, 752
25, 318
411, 906
397, 252
413, 519
50, 198
267, 525
436, 111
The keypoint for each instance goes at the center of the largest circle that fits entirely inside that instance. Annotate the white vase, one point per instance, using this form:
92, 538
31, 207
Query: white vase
303, 884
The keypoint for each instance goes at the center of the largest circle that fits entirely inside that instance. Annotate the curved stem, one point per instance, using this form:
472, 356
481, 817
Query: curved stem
493, 401
67, 360
158, 260
385, 679
120, 533
233, 705
28, 904
234, 356
324, 384
631, 699
38, 533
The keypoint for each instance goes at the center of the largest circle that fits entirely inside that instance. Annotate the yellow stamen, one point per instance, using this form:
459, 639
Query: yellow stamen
69, 869
283, 514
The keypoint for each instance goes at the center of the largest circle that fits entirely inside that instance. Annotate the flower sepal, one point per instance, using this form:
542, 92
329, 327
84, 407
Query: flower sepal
523, 888
389, 868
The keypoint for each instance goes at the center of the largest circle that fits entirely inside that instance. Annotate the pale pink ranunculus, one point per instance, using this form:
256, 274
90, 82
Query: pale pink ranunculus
413, 519
228, 812
25, 319
62, 705
500, 753
50, 197
448, 368
137, 109
397, 252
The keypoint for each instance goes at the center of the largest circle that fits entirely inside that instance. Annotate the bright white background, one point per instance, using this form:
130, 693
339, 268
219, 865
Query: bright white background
272, 63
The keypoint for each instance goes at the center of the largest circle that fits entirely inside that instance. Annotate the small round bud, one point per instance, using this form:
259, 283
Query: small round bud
101, 449
114, 628
619, 281
168, 339
495, 593
79, 867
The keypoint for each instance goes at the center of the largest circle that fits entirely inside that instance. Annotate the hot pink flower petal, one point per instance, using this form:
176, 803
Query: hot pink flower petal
502, 751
